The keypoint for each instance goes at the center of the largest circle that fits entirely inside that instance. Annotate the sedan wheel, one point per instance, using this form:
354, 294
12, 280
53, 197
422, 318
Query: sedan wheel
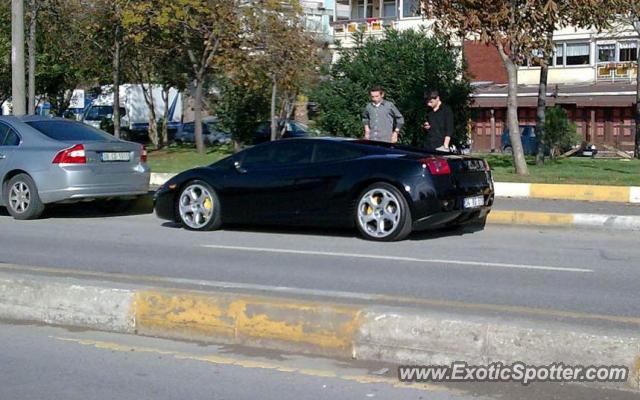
22, 198
198, 207
383, 214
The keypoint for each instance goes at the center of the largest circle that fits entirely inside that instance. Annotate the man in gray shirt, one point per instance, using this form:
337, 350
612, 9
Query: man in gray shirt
382, 120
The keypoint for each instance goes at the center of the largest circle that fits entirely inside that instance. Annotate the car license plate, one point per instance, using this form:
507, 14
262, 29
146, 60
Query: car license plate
474, 202
116, 156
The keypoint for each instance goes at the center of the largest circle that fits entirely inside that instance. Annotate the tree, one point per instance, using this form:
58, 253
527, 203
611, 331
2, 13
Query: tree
578, 13
406, 64
513, 26
155, 60
34, 7
628, 12
211, 33
5, 51
282, 53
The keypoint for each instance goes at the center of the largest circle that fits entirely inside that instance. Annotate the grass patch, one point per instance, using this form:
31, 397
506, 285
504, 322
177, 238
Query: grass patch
572, 170
180, 158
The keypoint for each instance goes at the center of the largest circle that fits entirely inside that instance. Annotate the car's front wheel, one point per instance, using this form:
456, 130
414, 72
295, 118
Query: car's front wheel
382, 213
22, 199
198, 207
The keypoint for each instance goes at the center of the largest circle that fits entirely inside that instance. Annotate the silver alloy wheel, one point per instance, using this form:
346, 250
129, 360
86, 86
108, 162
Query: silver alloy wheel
379, 213
19, 197
196, 206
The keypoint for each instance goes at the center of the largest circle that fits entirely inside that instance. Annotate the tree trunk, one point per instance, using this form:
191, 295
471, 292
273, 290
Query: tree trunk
116, 84
165, 117
197, 110
274, 122
519, 161
32, 56
540, 113
637, 141
152, 131
17, 57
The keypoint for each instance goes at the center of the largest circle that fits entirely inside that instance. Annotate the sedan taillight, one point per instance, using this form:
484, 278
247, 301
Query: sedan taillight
437, 166
143, 155
72, 155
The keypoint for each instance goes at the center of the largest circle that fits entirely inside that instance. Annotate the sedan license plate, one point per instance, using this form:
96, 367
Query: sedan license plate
116, 156
474, 202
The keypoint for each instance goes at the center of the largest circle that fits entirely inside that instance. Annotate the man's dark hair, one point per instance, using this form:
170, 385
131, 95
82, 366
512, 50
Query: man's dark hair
431, 95
376, 88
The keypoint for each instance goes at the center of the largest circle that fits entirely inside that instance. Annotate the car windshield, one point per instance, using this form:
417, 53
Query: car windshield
69, 131
97, 113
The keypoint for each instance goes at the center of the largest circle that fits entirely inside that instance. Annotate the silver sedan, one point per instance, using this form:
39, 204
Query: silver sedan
53, 160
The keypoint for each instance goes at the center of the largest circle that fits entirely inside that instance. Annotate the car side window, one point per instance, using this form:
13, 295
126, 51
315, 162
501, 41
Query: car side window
326, 152
3, 132
257, 157
11, 139
292, 153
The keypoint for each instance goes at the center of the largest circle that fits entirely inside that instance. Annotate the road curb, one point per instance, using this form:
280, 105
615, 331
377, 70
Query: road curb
577, 220
618, 194
392, 334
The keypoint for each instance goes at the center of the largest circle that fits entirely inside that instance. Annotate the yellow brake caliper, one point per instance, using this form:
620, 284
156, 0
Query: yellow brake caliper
208, 204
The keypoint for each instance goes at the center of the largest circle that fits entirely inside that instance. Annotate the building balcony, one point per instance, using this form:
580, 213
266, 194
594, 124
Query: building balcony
617, 71
369, 26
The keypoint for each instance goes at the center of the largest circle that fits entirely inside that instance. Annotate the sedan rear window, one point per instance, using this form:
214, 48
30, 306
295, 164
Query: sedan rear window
69, 131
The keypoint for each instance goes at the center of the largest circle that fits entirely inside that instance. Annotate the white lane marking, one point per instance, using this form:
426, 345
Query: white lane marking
396, 258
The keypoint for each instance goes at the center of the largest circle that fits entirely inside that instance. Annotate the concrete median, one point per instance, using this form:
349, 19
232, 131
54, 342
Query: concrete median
399, 335
568, 220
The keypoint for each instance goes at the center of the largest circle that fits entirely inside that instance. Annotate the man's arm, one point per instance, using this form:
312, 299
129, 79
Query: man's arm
365, 121
448, 127
398, 122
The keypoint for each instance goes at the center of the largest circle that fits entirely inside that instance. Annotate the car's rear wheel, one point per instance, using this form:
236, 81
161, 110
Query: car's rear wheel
22, 199
198, 207
382, 213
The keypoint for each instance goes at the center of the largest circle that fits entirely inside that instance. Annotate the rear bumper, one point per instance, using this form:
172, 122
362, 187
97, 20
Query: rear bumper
451, 218
70, 185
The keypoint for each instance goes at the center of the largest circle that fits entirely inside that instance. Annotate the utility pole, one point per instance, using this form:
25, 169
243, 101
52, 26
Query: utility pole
17, 58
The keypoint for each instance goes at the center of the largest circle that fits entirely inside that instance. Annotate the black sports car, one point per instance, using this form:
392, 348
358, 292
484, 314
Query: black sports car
385, 190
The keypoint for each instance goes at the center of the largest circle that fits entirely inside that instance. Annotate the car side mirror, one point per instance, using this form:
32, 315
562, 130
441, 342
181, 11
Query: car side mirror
238, 167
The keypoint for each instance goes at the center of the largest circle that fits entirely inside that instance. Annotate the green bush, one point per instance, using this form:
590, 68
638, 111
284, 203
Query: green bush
559, 133
406, 64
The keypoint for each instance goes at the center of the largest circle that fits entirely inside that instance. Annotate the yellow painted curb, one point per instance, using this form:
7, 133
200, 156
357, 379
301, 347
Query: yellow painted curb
529, 218
580, 192
240, 319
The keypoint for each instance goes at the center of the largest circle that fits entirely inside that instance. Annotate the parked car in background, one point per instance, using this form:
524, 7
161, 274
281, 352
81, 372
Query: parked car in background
55, 160
292, 129
212, 134
384, 190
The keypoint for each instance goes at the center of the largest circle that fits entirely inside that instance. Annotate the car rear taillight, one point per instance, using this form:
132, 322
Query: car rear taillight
437, 166
72, 155
143, 155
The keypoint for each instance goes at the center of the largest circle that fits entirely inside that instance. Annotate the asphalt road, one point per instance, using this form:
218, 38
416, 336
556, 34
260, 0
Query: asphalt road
53, 363
581, 271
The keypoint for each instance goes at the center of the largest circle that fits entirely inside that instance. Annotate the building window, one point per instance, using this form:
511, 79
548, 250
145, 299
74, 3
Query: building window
628, 51
360, 7
577, 53
606, 52
410, 8
342, 10
559, 55
389, 9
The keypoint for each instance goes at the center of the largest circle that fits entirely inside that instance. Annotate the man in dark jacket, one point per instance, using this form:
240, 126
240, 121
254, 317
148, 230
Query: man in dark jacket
439, 124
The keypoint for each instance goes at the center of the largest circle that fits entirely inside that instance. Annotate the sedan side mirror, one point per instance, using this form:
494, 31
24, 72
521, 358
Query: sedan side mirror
239, 168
